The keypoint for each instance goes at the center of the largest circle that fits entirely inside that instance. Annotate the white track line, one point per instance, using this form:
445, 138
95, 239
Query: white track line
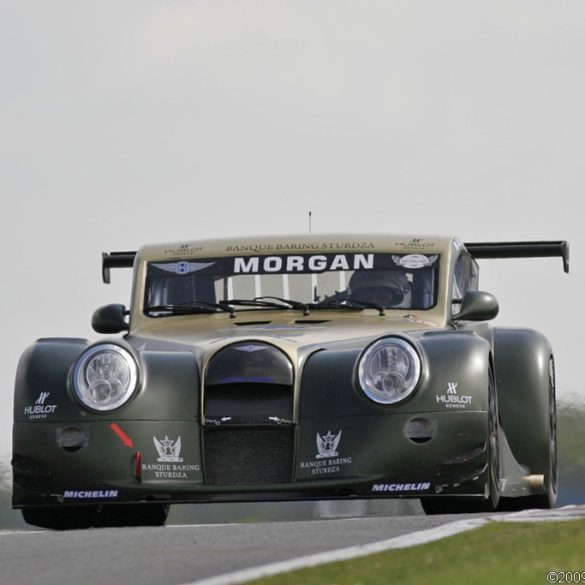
343, 554
574, 512
413, 539
12, 532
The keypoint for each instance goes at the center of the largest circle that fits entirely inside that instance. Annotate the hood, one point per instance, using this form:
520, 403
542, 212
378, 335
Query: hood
290, 332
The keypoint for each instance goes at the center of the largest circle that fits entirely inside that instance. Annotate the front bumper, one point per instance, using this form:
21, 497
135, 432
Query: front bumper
180, 461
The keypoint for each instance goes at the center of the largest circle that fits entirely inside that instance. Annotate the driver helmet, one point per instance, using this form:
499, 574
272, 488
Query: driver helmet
389, 288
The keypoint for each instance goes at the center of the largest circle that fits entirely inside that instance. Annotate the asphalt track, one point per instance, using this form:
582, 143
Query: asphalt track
175, 555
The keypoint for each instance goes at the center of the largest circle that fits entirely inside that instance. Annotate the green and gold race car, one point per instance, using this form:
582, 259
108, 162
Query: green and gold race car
289, 368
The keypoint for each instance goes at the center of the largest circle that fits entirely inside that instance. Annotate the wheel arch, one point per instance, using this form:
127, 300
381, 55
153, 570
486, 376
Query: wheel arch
521, 361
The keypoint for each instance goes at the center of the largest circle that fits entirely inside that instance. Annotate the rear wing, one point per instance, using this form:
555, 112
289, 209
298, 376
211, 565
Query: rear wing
477, 250
520, 250
116, 260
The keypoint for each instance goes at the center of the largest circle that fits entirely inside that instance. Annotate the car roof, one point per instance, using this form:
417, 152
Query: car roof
298, 244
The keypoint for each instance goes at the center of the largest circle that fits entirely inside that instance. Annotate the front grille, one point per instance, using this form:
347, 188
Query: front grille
253, 402
248, 456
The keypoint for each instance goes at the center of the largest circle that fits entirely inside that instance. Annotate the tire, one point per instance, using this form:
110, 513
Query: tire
452, 505
546, 500
551, 477
80, 517
461, 505
59, 518
494, 461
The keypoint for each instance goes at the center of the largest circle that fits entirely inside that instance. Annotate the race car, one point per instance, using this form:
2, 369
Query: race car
304, 367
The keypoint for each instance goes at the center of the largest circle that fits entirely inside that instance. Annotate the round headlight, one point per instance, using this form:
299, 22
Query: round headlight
105, 377
389, 370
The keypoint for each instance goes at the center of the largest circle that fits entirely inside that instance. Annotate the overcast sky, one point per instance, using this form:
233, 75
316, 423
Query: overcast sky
125, 123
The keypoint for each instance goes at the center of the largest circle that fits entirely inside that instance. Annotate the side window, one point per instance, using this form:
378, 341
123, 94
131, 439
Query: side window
466, 277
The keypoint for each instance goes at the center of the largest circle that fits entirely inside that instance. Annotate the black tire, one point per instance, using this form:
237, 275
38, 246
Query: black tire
59, 518
79, 517
452, 505
461, 505
495, 468
546, 500
551, 477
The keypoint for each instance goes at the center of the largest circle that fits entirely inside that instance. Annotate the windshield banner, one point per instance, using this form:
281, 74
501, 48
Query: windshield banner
292, 264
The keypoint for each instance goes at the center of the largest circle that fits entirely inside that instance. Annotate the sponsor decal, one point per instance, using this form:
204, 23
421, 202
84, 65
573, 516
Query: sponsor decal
299, 247
183, 267
169, 462
452, 399
327, 445
306, 263
415, 244
90, 494
401, 487
413, 261
182, 250
168, 450
170, 471
40, 410
327, 459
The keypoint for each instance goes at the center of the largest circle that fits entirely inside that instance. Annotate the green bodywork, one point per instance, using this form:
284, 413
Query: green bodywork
114, 458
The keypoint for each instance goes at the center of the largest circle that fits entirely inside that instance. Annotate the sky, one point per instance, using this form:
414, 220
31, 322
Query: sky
126, 123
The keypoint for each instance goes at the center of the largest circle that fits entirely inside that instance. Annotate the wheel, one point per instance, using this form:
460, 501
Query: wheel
551, 475
79, 517
59, 518
451, 505
495, 469
137, 515
460, 505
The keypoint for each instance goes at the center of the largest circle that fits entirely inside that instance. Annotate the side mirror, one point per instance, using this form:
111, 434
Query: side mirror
110, 319
477, 306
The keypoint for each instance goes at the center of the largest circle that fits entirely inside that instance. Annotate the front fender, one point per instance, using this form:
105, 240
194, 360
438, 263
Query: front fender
169, 384
454, 376
42, 379
522, 374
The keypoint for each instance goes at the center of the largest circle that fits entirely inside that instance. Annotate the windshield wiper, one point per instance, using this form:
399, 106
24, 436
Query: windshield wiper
263, 303
291, 303
355, 304
191, 308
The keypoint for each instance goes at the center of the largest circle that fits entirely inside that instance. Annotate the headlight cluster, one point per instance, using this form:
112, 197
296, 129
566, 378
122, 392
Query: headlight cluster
105, 377
389, 370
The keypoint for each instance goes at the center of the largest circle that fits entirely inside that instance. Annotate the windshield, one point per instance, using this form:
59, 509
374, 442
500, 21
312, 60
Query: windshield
393, 281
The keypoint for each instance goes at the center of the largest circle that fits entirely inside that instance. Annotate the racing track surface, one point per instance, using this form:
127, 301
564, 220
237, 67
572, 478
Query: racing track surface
174, 555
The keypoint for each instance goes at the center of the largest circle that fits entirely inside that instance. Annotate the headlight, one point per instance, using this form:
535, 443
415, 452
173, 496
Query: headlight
105, 377
389, 370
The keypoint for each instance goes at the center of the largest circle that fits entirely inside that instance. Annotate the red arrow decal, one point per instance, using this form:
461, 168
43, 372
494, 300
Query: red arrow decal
125, 438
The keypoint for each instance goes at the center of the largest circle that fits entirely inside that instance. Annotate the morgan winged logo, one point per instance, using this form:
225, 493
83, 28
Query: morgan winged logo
327, 445
168, 450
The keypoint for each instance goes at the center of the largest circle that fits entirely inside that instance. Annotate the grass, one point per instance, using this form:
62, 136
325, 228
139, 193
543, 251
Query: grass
500, 552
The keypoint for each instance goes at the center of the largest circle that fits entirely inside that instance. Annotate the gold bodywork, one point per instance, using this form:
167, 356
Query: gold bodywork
346, 325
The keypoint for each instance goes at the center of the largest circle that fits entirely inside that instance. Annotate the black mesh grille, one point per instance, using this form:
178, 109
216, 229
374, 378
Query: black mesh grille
248, 456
